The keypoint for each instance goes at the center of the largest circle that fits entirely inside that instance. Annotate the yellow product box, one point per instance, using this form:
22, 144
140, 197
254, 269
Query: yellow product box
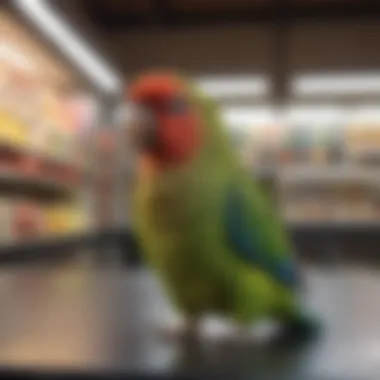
55, 221
7, 236
12, 130
64, 219
80, 220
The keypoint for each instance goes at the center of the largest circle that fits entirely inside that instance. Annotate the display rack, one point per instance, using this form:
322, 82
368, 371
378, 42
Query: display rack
46, 118
322, 170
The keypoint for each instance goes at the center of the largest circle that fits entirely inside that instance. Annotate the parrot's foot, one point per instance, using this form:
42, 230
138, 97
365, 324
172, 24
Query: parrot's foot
209, 329
231, 332
221, 330
179, 328
298, 330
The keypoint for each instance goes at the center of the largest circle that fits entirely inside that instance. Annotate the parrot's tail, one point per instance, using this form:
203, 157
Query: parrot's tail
299, 329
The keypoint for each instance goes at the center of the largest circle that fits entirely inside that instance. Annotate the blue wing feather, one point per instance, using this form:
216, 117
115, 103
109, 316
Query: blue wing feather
247, 244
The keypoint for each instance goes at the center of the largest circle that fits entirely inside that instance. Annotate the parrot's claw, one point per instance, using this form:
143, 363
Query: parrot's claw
228, 332
178, 328
221, 331
207, 330
216, 330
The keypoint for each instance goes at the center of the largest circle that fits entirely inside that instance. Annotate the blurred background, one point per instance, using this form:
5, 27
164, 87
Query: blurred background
298, 85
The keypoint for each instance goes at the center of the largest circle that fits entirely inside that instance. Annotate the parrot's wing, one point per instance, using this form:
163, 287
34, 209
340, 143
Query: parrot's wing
248, 233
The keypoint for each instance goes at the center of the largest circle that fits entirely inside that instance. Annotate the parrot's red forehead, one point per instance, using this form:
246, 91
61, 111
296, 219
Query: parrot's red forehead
152, 87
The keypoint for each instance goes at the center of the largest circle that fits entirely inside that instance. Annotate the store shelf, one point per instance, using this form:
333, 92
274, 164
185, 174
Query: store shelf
310, 239
349, 225
53, 246
47, 120
24, 172
44, 248
327, 174
66, 245
21, 184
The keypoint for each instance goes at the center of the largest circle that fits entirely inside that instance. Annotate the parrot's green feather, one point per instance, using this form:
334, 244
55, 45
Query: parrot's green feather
253, 241
184, 232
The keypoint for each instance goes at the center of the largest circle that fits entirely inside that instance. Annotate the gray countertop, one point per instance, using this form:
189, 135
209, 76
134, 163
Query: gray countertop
75, 317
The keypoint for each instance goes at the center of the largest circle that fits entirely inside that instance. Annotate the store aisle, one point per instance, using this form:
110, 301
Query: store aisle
77, 317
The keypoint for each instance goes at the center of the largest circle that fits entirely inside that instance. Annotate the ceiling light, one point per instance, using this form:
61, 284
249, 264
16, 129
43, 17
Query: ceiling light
337, 84
60, 32
229, 86
247, 116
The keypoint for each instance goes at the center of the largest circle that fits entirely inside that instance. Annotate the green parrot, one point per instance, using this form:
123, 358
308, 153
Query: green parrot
202, 221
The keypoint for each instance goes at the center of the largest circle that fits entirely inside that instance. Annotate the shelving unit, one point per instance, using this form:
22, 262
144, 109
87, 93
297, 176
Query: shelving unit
320, 170
45, 158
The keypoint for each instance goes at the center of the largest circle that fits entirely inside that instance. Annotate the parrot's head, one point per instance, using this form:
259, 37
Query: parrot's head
168, 128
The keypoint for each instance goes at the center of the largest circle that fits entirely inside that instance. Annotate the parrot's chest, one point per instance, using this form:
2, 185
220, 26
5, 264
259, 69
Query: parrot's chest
176, 219
179, 224
172, 215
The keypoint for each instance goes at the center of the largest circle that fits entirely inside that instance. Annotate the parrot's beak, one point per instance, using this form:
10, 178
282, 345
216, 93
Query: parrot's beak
143, 130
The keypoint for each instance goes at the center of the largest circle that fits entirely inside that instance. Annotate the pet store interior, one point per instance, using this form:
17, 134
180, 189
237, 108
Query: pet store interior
297, 87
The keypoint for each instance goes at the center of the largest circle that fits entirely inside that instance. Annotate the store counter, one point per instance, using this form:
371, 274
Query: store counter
75, 319
318, 242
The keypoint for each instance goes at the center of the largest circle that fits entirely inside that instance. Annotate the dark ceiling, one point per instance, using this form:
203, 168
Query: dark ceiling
109, 26
124, 15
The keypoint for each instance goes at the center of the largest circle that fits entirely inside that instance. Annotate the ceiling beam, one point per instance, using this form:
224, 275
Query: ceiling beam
162, 13
5, 5
350, 10
280, 69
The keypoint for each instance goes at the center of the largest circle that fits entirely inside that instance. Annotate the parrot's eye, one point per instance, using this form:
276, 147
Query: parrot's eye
177, 106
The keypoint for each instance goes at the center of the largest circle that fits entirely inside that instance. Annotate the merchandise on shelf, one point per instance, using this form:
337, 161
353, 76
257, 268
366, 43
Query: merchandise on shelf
328, 177
362, 140
28, 221
65, 219
43, 137
7, 235
14, 89
343, 203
